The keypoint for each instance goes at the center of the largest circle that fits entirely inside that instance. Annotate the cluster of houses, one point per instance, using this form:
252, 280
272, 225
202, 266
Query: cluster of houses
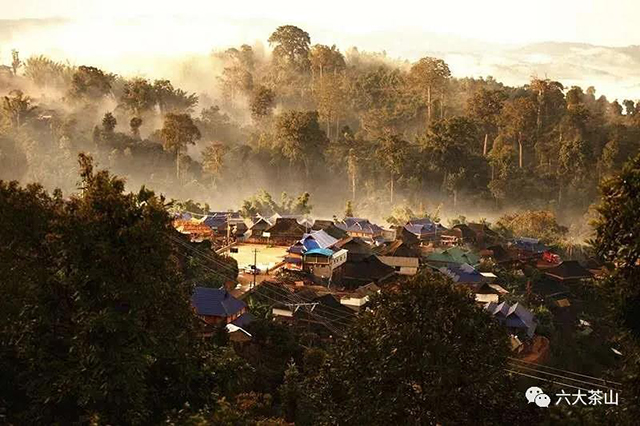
334, 267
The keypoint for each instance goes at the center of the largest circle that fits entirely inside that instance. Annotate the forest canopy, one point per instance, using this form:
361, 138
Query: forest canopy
309, 118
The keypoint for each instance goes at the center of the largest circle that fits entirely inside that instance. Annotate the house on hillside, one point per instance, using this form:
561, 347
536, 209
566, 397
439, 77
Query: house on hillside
285, 231
358, 227
323, 314
481, 284
567, 271
323, 262
357, 248
497, 254
527, 248
196, 230
518, 319
484, 236
358, 299
218, 307
402, 257
453, 255
330, 228
458, 235
425, 229
258, 227
407, 237
356, 273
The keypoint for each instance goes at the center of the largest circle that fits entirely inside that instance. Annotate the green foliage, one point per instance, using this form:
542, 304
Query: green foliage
263, 204
539, 224
90, 84
291, 47
262, 102
96, 320
399, 363
299, 137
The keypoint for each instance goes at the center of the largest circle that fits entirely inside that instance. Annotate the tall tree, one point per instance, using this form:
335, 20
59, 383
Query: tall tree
401, 359
617, 228
17, 108
138, 96
90, 83
95, 316
299, 137
291, 47
430, 74
485, 107
213, 159
392, 153
177, 132
518, 121
15, 61
170, 99
262, 102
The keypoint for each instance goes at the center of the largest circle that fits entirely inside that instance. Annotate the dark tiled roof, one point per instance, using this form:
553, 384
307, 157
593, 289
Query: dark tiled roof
407, 237
370, 268
568, 270
499, 254
355, 224
243, 319
215, 302
398, 248
286, 227
465, 231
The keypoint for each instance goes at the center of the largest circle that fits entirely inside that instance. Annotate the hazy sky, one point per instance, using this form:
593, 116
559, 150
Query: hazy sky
603, 22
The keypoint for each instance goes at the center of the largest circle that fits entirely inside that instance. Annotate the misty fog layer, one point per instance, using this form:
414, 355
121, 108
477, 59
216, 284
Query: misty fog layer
289, 115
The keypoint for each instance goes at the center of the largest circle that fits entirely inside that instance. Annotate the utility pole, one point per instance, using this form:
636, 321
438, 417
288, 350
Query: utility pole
228, 229
255, 266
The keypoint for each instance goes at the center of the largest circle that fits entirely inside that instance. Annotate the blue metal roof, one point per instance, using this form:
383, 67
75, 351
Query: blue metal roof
215, 302
320, 251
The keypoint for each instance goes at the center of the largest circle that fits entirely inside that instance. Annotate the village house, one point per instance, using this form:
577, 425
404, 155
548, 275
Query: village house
310, 241
458, 235
518, 319
484, 236
400, 256
357, 227
480, 283
322, 313
330, 228
453, 255
527, 248
197, 231
356, 273
285, 231
360, 297
425, 229
218, 307
568, 271
258, 227
226, 224
357, 248
323, 262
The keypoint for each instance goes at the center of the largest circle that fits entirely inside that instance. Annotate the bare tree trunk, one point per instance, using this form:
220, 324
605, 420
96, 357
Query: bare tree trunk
353, 187
178, 164
484, 149
519, 152
391, 189
428, 105
455, 198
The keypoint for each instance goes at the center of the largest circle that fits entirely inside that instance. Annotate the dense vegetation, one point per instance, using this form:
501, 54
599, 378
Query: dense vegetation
308, 118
